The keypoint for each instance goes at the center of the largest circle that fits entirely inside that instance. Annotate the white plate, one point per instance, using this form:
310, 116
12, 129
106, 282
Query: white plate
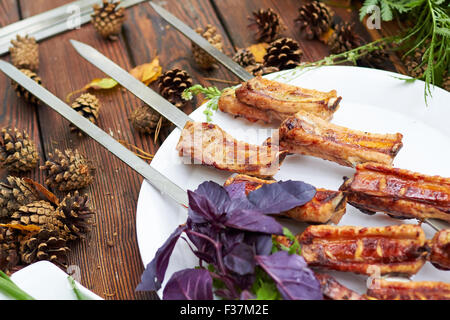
45, 281
373, 100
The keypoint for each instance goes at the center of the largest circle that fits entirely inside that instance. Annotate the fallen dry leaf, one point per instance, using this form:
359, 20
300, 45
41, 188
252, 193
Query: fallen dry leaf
259, 50
148, 72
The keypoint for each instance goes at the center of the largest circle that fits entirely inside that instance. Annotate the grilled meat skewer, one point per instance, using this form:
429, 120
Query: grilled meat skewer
309, 135
398, 192
333, 290
326, 205
440, 250
409, 290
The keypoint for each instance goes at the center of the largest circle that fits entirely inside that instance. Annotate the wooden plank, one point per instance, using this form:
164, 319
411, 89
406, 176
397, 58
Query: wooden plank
108, 260
16, 112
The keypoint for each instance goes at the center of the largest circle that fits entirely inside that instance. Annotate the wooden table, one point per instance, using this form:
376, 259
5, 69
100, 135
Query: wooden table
108, 259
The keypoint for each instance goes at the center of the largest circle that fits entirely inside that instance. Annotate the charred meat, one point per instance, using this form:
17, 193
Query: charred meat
326, 205
398, 249
440, 250
398, 192
309, 135
208, 144
333, 290
409, 290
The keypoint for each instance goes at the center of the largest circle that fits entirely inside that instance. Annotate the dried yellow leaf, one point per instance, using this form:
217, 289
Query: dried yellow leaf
103, 83
148, 72
259, 50
28, 228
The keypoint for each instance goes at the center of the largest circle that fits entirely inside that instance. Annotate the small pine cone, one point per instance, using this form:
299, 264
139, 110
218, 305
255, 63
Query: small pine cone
25, 53
269, 25
344, 38
68, 171
171, 85
260, 70
22, 92
40, 213
314, 19
413, 63
14, 194
88, 106
244, 58
17, 151
76, 214
9, 249
284, 53
108, 19
144, 119
203, 59
44, 245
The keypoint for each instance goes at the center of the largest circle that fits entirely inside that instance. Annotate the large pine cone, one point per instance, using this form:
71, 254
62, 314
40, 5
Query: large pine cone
269, 25
88, 106
203, 59
9, 249
68, 171
14, 194
108, 19
171, 85
25, 53
284, 53
314, 19
76, 214
17, 151
344, 38
44, 245
244, 58
22, 92
144, 119
259, 69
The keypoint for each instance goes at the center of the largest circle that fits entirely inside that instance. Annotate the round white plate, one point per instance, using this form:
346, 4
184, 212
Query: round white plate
373, 100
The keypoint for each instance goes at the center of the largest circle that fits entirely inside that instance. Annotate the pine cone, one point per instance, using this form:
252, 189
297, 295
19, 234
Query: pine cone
344, 38
9, 249
25, 53
68, 171
17, 151
314, 19
14, 194
260, 70
88, 106
269, 25
108, 19
22, 92
244, 58
144, 119
44, 245
76, 214
284, 53
171, 85
204, 60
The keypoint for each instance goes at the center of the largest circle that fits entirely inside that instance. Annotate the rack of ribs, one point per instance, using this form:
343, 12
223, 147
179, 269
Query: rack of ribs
398, 192
400, 249
326, 206
409, 290
440, 250
207, 144
269, 101
310, 135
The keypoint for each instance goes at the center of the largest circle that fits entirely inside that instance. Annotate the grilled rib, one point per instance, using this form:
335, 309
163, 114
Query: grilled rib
440, 250
326, 205
309, 135
333, 290
280, 100
208, 144
398, 192
384, 250
409, 290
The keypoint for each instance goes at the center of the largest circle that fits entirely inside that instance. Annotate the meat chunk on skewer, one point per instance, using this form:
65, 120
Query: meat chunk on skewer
440, 250
309, 135
398, 192
326, 205
282, 100
333, 290
208, 144
409, 290
398, 249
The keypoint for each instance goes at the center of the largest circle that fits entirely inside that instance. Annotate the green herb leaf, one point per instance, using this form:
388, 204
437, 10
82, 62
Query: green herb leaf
10, 289
211, 93
76, 291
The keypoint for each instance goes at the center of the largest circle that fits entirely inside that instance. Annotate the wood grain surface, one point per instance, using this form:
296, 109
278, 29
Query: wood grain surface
108, 260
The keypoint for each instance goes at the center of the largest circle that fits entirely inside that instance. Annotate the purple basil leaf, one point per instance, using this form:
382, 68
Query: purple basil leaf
295, 281
240, 259
261, 242
189, 284
247, 295
154, 273
236, 190
281, 196
215, 193
201, 209
253, 220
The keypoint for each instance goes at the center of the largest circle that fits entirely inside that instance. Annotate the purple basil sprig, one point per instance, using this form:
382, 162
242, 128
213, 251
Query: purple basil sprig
232, 234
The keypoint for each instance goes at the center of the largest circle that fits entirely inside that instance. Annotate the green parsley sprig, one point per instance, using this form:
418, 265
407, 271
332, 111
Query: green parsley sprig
211, 93
9, 288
